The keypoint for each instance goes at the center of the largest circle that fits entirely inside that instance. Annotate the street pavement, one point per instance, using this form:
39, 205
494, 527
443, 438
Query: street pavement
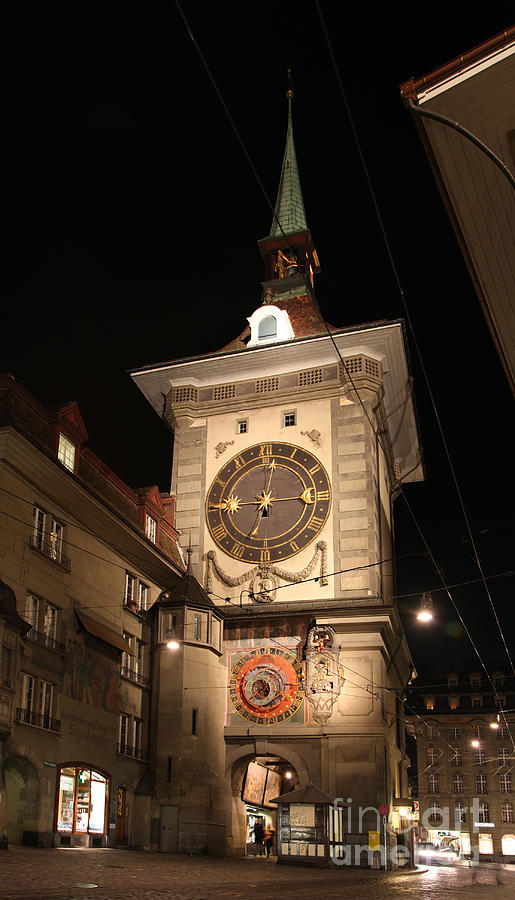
28, 873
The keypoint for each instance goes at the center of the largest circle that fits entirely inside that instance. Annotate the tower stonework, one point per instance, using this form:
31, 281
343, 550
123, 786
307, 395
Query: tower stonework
289, 446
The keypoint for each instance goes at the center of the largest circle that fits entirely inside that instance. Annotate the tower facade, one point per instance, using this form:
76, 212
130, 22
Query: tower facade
290, 443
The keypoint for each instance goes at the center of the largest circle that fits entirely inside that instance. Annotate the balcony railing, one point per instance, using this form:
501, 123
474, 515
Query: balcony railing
39, 720
51, 550
132, 675
133, 752
46, 640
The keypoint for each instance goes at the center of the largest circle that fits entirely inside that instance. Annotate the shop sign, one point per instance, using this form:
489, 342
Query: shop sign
51, 765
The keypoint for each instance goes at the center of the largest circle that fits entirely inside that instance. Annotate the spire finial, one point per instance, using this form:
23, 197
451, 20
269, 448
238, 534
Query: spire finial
189, 551
289, 92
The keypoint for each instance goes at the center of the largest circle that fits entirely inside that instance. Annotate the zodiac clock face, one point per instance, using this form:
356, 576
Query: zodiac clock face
266, 685
268, 502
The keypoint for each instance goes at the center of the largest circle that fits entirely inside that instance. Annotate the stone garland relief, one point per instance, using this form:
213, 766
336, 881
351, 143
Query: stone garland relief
264, 577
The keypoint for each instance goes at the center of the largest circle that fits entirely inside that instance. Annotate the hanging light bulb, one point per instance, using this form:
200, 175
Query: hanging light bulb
495, 722
425, 612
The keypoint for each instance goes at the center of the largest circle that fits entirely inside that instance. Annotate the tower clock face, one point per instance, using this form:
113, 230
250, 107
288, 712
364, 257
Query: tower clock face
266, 685
268, 502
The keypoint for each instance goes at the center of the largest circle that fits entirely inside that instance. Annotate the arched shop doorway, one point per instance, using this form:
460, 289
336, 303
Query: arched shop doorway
22, 801
82, 806
254, 781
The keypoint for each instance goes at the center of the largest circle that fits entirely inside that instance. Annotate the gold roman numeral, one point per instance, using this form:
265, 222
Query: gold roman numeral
315, 524
314, 469
265, 450
237, 550
265, 556
219, 533
322, 495
239, 462
294, 546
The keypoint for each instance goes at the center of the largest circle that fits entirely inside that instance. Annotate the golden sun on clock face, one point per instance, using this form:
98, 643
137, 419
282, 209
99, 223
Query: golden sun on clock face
268, 502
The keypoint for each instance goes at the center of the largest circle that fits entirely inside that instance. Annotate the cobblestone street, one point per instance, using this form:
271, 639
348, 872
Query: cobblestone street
31, 874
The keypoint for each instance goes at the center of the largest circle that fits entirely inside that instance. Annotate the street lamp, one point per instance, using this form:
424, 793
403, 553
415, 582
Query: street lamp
425, 612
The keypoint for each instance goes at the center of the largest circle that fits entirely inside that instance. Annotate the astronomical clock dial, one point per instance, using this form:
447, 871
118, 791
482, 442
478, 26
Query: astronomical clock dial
266, 685
268, 502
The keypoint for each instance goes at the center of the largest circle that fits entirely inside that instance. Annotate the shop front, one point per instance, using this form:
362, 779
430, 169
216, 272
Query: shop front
82, 807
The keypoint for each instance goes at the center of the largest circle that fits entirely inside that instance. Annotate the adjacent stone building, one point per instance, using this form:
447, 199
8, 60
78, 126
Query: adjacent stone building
463, 724
83, 559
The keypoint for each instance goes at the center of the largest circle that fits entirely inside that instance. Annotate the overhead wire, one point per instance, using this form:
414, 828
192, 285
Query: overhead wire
417, 347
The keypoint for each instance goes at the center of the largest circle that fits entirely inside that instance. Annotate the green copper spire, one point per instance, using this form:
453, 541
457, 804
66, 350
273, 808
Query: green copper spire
290, 216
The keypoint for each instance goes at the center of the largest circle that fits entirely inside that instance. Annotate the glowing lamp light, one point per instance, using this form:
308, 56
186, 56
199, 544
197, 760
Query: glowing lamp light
288, 775
173, 645
494, 724
425, 613
475, 743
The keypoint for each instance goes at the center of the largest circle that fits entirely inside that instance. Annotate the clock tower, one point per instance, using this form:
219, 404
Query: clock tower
291, 443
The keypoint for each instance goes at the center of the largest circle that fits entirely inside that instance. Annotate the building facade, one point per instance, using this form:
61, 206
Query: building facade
464, 726
289, 446
83, 560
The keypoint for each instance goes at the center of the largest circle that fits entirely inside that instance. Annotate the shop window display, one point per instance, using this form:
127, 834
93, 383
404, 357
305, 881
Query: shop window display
82, 800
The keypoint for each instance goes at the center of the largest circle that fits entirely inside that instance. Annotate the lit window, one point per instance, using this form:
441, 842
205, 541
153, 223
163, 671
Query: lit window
460, 813
505, 783
150, 528
66, 453
485, 841
508, 842
430, 702
130, 590
456, 758
267, 328
289, 419
457, 783
47, 534
433, 784
507, 814
481, 785
242, 426
483, 812
81, 805
454, 702
142, 596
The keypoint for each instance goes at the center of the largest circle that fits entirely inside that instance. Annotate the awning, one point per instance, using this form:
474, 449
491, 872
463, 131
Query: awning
104, 632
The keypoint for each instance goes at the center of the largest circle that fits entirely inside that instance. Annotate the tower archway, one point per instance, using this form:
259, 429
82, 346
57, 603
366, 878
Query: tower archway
255, 773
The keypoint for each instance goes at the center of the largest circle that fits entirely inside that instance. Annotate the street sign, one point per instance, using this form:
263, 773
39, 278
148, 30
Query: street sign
384, 809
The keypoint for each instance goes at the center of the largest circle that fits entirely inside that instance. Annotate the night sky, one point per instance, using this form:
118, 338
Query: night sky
133, 216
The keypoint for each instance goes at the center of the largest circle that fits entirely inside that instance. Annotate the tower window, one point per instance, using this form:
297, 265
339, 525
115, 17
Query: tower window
289, 419
242, 426
267, 328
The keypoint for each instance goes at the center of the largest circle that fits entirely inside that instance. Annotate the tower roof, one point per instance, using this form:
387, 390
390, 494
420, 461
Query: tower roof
290, 216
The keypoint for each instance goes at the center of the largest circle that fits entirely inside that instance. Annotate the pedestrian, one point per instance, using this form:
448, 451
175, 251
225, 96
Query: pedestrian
258, 837
269, 839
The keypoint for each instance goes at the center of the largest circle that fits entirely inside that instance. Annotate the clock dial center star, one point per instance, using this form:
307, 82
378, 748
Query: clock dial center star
264, 500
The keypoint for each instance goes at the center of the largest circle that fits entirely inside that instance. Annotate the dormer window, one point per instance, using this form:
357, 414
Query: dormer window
268, 325
66, 453
267, 328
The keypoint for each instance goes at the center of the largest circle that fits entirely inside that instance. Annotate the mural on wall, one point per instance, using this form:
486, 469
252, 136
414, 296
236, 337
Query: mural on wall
91, 678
